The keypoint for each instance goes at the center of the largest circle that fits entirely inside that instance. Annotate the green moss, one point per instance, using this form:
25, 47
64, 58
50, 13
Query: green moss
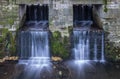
112, 51
105, 2
70, 29
105, 8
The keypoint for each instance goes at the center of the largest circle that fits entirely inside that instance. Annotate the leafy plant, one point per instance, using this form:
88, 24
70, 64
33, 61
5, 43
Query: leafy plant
70, 29
2, 41
105, 5
7, 41
58, 45
12, 47
112, 51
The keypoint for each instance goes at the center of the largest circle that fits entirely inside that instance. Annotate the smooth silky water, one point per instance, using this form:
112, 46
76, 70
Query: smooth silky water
35, 48
33, 45
87, 43
34, 54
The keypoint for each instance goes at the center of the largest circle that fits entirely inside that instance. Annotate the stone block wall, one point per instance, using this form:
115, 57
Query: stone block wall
111, 21
60, 12
61, 15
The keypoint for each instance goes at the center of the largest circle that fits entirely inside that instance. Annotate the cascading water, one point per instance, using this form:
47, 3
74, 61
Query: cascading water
95, 49
81, 45
102, 49
34, 48
33, 43
88, 43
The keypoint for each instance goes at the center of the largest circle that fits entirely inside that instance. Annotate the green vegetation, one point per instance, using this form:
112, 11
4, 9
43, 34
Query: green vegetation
7, 41
8, 17
112, 51
59, 45
70, 29
105, 5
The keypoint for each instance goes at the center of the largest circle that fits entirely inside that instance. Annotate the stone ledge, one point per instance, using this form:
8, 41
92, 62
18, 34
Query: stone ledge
66, 1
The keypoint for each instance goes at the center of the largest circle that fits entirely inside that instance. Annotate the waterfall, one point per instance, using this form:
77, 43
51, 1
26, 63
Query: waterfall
88, 41
33, 44
88, 45
102, 48
95, 47
81, 45
34, 47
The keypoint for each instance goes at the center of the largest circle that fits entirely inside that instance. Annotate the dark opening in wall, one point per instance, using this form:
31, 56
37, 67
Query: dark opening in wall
82, 12
84, 16
35, 17
36, 13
